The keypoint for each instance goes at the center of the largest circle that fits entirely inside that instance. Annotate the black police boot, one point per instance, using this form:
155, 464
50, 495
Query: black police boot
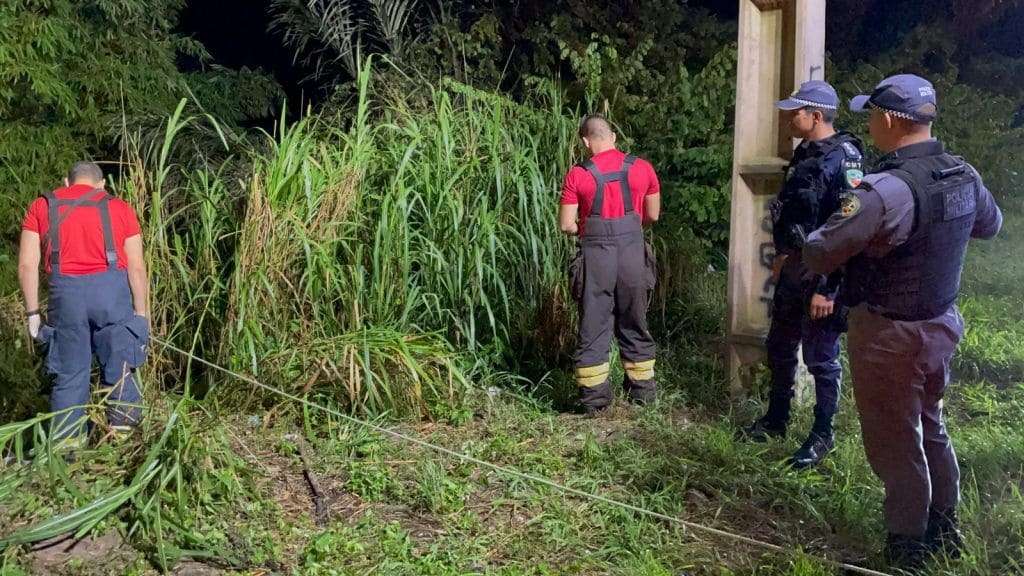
943, 535
763, 430
906, 553
813, 451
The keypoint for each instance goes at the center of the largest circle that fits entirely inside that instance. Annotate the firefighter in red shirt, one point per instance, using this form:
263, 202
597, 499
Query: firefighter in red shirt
98, 293
606, 201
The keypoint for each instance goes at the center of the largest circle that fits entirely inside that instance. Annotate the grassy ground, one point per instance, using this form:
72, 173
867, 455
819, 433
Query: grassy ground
399, 509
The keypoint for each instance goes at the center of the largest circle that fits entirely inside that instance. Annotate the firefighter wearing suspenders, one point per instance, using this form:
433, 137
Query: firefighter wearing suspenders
96, 299
606, 201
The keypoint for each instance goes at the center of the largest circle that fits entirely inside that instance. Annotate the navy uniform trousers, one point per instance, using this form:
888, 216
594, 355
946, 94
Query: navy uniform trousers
900, 374
792, 326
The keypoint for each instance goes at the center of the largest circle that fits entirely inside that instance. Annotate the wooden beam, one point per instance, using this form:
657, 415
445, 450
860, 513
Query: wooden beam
772, 166
770, 4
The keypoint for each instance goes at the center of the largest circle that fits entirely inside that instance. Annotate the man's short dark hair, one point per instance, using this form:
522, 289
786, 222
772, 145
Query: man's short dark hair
85, 171
827, 114
595, 125
927, 110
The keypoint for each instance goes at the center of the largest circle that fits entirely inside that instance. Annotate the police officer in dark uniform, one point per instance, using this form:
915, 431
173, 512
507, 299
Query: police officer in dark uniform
804, 309
902, 236
606, 201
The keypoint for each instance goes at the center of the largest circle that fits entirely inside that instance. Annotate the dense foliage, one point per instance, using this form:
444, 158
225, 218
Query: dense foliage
75, 74
393, 252
77, 85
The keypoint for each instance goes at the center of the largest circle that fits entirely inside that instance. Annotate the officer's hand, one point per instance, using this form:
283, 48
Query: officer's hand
777, 264
35, 321
821, 307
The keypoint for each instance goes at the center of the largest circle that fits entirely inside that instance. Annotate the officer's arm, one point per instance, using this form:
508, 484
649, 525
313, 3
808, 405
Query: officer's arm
828, 285
843, 172
846, 233
29, 255
989, 218
797, 211
138, 280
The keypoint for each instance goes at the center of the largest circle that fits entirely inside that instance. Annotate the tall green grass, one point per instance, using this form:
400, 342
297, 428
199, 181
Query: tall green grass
380, 264
386, 261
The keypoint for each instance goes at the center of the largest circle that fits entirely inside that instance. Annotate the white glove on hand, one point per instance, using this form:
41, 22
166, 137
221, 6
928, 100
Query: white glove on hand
34, 322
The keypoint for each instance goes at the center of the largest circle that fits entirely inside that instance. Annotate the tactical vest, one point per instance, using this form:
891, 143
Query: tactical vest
801, 202
920, 279
851, 145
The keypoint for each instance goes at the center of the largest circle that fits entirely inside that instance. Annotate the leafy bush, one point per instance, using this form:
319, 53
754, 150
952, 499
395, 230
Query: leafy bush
973, 122
383, 262
75, 73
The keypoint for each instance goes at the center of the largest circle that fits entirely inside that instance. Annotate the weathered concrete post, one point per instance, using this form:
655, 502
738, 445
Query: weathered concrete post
781, 45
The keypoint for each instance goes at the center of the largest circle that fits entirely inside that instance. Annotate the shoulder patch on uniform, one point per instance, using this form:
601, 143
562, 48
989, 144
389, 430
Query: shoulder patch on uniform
854, 177
849, 204
851, 150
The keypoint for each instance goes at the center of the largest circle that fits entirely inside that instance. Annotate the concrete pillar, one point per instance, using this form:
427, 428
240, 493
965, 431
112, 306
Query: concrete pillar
781, 45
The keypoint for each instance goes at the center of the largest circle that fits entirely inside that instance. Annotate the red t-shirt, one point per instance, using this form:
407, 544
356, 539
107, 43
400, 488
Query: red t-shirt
81, 233
580, 187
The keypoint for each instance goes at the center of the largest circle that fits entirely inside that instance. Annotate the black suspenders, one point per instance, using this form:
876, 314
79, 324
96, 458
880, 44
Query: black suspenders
57, 217
622, 177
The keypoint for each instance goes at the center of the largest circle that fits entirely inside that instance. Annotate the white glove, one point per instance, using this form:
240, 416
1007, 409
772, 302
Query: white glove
34, 322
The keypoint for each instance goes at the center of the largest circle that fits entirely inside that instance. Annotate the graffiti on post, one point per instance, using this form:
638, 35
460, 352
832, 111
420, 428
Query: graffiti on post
766, 253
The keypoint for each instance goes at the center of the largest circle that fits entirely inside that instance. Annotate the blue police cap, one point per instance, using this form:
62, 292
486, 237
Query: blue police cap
904, 95
815, 93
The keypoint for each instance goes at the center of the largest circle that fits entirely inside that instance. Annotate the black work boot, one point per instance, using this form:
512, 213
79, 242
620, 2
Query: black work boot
813, 451
640, 393
596, 399
943, 535
906, 553
762, 430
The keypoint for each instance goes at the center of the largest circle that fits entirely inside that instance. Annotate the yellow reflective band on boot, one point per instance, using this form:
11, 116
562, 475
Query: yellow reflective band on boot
639, 371
591, 376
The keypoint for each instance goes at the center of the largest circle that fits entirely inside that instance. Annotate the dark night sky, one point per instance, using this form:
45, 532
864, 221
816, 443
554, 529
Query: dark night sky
235, 32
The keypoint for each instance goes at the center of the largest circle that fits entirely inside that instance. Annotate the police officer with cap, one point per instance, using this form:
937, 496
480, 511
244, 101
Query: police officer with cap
606, 201
804, 309
902, 236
